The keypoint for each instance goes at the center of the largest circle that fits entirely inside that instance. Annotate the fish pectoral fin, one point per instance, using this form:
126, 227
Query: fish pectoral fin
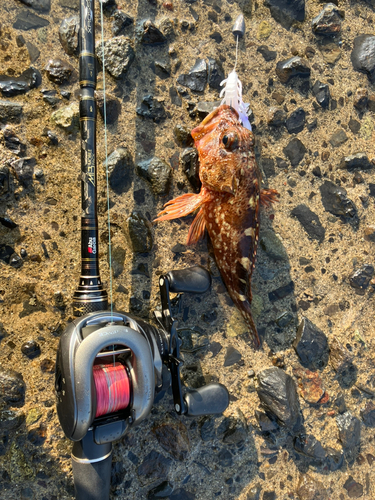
180, 206
268, 196
197, 228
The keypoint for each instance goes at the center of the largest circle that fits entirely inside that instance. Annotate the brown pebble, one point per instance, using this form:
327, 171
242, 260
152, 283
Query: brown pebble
325, 155
47, 366
360, 99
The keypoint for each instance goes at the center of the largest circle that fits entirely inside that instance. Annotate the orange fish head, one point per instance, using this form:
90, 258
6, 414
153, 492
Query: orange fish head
223, 145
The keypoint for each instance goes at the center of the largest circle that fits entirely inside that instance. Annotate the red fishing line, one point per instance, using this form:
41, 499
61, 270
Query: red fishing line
112, 388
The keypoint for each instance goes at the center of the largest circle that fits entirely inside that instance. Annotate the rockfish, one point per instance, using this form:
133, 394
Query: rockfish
228, 202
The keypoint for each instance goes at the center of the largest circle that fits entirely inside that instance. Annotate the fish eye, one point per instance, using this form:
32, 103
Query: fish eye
230, 141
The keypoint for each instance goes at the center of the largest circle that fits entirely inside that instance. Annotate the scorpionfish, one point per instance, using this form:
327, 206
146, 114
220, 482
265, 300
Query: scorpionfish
228, 202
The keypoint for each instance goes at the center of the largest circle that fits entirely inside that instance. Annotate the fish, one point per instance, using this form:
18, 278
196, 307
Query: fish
228, 203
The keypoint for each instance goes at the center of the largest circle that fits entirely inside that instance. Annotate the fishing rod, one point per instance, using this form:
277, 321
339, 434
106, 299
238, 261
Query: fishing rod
112, 367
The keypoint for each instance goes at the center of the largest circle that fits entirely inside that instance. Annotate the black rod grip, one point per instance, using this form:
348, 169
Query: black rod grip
91, 464
194, 279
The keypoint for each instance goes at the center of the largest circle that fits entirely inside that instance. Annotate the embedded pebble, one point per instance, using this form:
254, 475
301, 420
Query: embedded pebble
363, 55
151, 108
58, 71
154, 466
290, 68
328, 21
120, 168
310, 222
357, 160
68, 34
67, 118
12, 387
354, 489
151, 35
268, 55
215, 74
157, 173
232, 356
360, 99
287, 12
118, 55
295, 151
311, 345
138, 232
163, 490
296, 121
10, 112
40, 5
31, 349
342, 362
121, 20
338, 138
336, 202
276, 117
113, 106
196, 79
27, 20
321, 93
190, 165
272, 245
361, 278
311, 386
11, 86
183, 136
349, 434
311, 489
278, 396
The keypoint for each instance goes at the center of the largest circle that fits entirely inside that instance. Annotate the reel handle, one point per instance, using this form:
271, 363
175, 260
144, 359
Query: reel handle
91, 464
194, 279
209, 399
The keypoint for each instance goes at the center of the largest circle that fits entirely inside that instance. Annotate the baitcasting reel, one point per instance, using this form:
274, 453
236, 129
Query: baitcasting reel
111, 368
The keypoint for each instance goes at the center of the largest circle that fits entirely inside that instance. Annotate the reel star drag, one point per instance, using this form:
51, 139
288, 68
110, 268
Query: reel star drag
112, 367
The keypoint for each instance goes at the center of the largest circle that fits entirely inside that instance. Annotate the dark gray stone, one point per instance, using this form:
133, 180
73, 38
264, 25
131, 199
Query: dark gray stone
278, 397
354, 489
58, 71
10, 421
68, 34
321, 93
13, 143
157, 173
31, 349
310, 222
205, 108
189, 161
225, 458
27, 20
196, 79
10, 112
354, 126
181, 493
296, 121
268, 166
349, 434
154, 466
33, 51
183, 136
290, 68
334, 458
10, 224
311, 448
40, 5
281, 292
120, 169
342, 362
328, 21
23, 169
232, 356
151, 108
276, 117
287, 12
363, 55
138, 231
163, 490
232, 431
173, 437
151, 35
268, 55
12, 388
117, 260
118, 55
311, 345
121, 20
215, 74
113, 106
368, 414
335, 201
338, 138
295, 151
358, 160
361, 278
14, 85
272, 245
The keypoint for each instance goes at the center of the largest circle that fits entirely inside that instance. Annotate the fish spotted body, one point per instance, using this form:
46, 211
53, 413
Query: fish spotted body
228, 201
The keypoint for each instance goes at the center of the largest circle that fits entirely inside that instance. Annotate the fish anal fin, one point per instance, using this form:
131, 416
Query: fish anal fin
197, 228
268, 196
180, 206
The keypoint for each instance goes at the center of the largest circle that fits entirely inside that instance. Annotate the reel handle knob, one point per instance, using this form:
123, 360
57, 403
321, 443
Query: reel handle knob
209, 399
194, 279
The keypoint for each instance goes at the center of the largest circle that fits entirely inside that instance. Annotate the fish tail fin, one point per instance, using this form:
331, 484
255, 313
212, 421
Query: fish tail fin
197, 228
180, 206
268, 196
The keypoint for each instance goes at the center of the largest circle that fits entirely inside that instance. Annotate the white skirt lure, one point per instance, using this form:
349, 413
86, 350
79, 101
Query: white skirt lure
232, 93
